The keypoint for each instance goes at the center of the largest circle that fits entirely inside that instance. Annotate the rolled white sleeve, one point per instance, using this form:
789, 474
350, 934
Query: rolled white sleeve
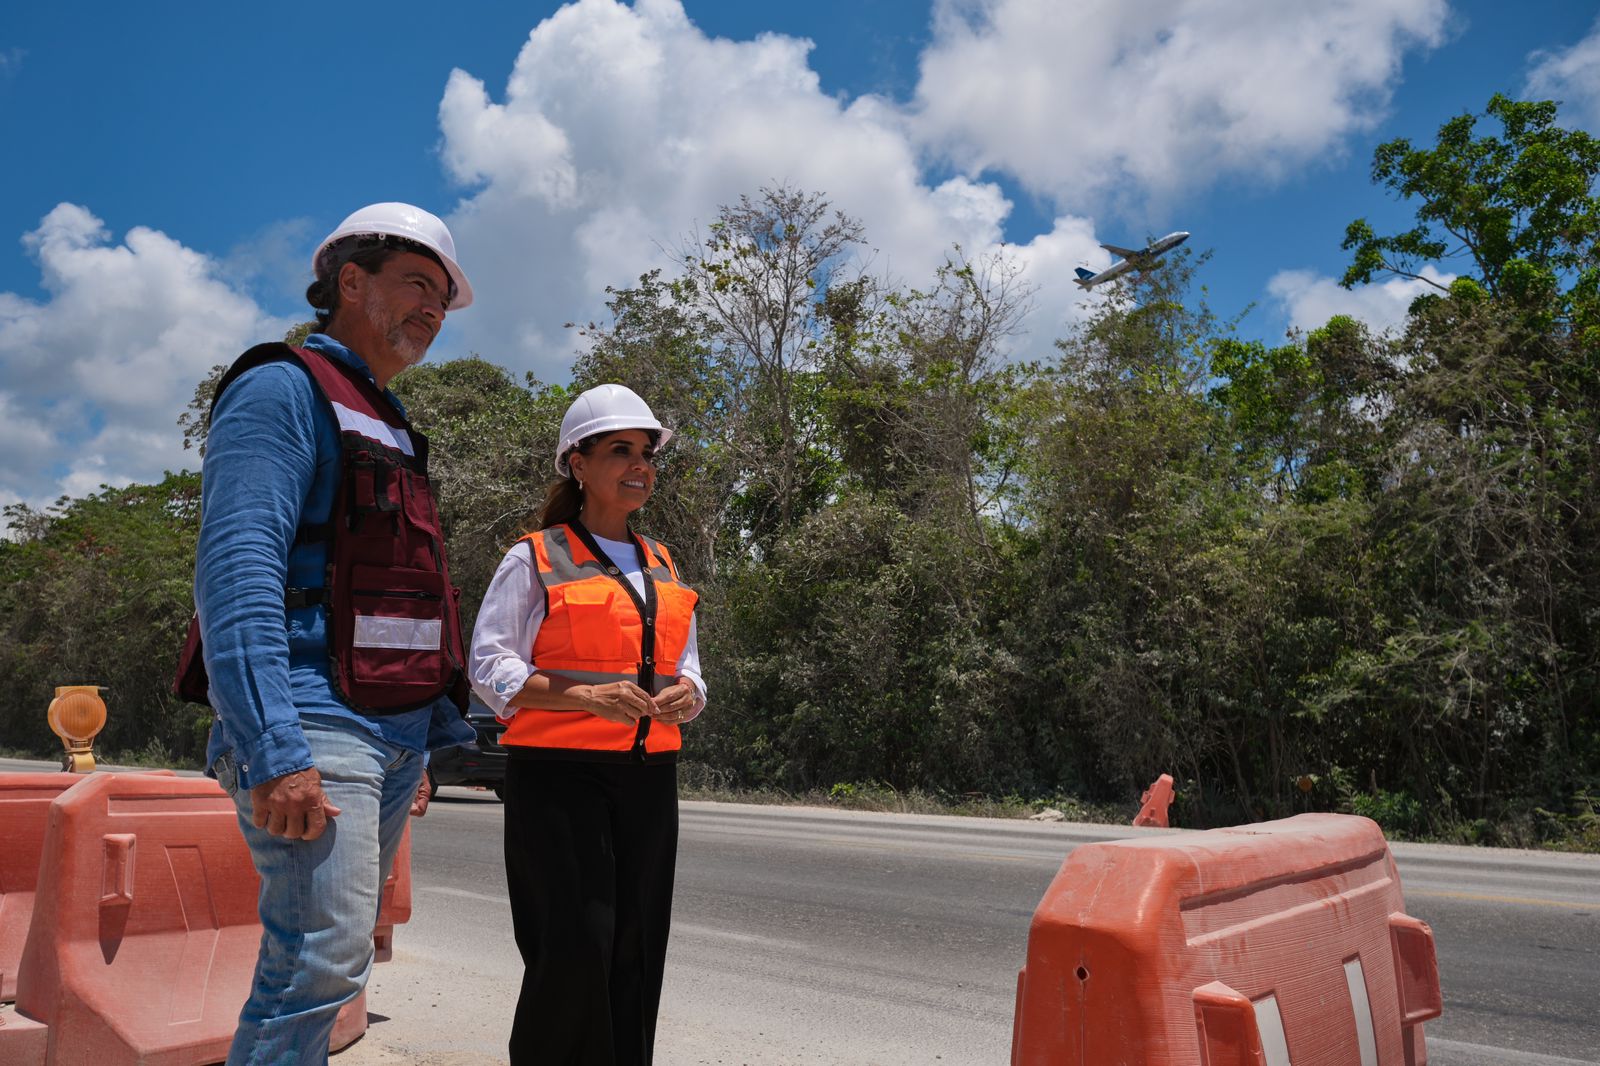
689, 665
502, 638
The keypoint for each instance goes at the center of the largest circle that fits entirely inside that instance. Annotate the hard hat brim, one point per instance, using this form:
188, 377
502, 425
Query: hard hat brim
609, 424
357, 226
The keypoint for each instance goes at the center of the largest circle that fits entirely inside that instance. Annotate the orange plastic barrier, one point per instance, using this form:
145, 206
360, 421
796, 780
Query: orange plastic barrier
25, 800
144, 933
1154, 803
394, 906
1257, 946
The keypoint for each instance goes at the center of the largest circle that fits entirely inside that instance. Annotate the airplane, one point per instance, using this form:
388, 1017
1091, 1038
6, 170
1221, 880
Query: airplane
1131, 259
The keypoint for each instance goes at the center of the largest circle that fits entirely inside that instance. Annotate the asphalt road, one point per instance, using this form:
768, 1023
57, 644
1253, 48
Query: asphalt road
806, 936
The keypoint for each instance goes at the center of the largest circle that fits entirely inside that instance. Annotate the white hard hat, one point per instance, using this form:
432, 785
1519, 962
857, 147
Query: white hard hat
411, 223
605, 409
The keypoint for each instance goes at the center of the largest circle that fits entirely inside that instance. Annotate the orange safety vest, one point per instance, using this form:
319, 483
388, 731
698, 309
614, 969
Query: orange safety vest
597, 629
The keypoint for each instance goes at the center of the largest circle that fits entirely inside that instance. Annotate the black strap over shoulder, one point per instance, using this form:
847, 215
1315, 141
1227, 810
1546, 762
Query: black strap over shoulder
261, 354
271, 352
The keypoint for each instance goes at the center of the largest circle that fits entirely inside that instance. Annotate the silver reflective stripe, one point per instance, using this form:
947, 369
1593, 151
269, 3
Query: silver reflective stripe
372, 428
563, 570
1366, 1039
409, 634
1269, 1023
596, 677
590, 677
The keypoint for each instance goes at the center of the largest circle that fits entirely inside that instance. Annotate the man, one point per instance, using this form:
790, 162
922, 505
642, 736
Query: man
331, 640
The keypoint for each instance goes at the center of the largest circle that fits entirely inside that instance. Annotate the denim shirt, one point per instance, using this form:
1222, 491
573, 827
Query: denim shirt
271, 465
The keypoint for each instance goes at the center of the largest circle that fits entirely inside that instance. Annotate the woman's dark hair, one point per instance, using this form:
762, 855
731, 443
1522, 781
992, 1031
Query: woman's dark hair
562, 502
367, 252
563, 499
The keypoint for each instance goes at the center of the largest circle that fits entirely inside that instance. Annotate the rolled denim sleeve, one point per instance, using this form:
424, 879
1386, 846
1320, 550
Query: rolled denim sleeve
261, 459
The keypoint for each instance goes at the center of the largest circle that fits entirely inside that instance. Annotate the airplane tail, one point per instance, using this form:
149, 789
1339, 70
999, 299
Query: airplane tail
1084, 277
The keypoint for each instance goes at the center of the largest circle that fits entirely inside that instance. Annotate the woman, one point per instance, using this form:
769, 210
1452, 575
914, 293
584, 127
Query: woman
585, 645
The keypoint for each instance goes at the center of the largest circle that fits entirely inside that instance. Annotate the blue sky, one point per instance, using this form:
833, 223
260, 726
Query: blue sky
172, 166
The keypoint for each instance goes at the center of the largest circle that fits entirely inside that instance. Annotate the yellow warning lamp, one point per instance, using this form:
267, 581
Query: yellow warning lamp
77, 715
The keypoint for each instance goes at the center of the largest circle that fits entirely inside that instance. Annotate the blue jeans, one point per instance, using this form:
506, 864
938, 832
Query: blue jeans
319, 899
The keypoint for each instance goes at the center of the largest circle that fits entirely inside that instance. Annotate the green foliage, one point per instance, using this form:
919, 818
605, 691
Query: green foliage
1520, 206
492, 446
1400, 814
97, 591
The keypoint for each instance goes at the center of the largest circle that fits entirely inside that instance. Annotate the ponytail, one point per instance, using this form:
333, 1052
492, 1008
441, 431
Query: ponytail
563, 499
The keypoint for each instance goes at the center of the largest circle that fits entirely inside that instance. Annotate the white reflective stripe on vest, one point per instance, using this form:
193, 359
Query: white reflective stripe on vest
410, 634
372, 428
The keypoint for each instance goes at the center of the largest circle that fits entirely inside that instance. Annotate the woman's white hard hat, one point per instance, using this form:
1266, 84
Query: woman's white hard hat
405, 221
605, 409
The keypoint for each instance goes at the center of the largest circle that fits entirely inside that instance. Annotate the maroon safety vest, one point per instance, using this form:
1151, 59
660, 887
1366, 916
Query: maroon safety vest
394, 625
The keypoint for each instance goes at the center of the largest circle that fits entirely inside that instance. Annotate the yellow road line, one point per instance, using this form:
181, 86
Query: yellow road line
1479, 897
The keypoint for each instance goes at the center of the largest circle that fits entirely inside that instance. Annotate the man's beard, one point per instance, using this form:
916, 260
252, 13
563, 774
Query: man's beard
393, 328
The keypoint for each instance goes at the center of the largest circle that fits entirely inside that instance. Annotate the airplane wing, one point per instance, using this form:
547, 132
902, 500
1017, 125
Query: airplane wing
1126, 253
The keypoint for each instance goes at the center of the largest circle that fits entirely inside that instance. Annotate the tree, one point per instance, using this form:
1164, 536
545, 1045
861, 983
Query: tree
1307, 411
1478, 678
761, 276
1520, 207
663, 345
492, 447
917, 391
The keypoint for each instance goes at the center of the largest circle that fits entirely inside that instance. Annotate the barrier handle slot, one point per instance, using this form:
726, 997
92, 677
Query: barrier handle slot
1225, 1021
1416, 969
116, 881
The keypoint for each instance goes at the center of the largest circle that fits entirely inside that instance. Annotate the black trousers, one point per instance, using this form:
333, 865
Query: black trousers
590, 854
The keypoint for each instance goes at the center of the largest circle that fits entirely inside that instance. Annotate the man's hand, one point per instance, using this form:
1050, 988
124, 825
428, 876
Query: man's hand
419, 805
292, 806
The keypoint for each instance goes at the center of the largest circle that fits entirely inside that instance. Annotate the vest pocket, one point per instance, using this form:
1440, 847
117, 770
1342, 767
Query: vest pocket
590, 613
374, 489
421, 512
397, 628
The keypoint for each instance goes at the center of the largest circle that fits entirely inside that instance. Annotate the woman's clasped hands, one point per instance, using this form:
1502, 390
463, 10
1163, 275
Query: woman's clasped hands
624, 701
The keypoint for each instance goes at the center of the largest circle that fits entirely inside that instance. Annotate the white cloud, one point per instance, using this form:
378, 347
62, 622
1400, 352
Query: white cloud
1571, 75
623, 129
1075, 99
94, 377
1309, 300
21, 432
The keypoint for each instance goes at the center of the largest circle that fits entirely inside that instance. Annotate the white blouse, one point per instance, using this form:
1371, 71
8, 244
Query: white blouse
513, 611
